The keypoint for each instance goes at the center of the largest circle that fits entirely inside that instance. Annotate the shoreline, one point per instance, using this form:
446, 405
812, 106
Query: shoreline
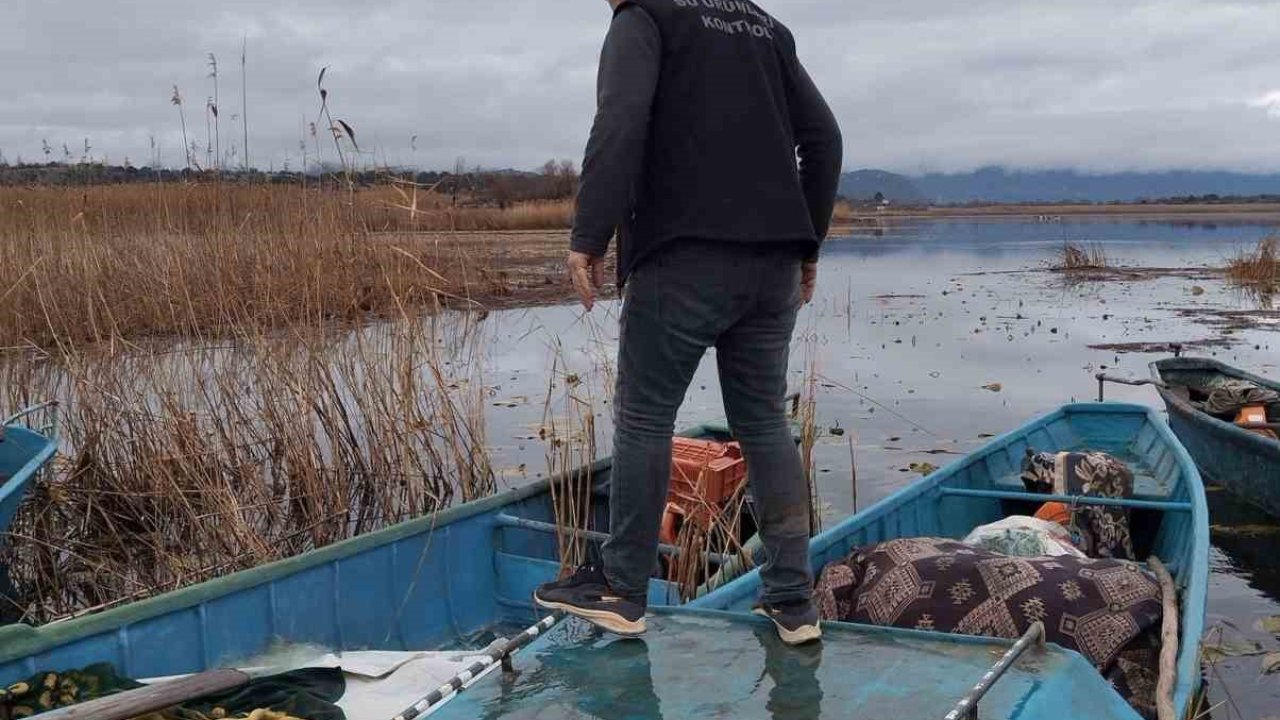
1263, 213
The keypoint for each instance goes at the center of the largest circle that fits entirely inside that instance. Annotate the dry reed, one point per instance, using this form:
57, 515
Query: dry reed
193, 462
1074, 257
1258, 268
110, 262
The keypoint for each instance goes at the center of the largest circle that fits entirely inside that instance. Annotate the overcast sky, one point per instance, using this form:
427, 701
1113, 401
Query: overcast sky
1097, 85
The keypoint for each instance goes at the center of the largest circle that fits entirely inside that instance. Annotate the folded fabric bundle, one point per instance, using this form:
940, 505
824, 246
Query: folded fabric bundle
1228, 395
1107, 610
1022, 536
1100, 530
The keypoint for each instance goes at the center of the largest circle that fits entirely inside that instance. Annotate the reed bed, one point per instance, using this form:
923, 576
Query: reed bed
194, 461
1257, 268
1075, 257
106, 263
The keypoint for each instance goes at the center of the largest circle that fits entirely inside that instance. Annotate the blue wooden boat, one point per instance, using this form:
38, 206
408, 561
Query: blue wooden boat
983, 487
1245, 463
465, 574
444, 581
23, 452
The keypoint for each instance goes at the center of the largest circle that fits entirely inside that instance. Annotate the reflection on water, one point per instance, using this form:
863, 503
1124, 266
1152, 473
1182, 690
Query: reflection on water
1244, 590
796, 691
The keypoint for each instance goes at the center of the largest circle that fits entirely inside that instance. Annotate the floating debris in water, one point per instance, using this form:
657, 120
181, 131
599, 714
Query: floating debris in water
1217, 650
1269, 625
1245, 530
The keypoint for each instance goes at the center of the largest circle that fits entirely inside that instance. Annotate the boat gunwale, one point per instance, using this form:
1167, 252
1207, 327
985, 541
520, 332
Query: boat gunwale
21, 640
17, 483
1251, 440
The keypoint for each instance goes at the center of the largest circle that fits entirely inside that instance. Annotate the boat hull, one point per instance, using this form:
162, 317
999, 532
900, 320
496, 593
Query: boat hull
22, 453
437, 582
1245, 463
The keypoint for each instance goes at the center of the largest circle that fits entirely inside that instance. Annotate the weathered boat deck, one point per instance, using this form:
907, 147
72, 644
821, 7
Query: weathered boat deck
712, 665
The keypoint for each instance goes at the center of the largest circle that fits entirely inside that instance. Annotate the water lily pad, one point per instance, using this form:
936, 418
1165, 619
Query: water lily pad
923, 468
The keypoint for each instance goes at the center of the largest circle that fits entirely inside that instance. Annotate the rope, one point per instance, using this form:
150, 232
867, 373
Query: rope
457, 682
1168, 642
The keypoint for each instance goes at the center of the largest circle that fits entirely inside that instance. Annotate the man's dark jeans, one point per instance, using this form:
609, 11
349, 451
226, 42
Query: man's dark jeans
742, 299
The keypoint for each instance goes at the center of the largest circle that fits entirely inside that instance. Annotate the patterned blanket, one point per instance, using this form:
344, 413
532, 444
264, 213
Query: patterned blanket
1108, 610
1100, 531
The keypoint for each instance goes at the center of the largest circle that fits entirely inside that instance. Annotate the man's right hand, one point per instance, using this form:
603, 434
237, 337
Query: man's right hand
587, 273
808, 280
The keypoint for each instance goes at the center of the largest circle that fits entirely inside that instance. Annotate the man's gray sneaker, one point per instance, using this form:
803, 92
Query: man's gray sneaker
797, 621
586, 594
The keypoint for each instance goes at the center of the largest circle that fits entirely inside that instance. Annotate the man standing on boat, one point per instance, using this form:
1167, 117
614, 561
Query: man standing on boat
703, 108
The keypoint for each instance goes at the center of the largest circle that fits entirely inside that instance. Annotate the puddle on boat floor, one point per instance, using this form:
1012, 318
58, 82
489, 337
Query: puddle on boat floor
711, 667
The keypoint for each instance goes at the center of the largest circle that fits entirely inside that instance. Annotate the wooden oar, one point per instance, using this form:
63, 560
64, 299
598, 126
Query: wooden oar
132, 703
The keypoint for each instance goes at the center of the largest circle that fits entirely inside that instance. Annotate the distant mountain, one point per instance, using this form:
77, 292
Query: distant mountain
1018, 186
864, 184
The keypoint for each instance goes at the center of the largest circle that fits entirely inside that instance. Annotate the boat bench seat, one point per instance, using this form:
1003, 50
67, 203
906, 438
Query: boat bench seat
1131, 503
1145, 484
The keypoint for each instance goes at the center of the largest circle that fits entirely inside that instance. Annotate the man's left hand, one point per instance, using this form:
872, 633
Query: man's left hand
587, 273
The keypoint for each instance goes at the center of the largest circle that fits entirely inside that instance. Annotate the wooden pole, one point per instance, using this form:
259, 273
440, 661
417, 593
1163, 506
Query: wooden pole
853, 470
132, 703
1168, 642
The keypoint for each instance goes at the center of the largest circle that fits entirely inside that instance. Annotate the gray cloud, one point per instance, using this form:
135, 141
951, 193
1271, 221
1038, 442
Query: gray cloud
917, 85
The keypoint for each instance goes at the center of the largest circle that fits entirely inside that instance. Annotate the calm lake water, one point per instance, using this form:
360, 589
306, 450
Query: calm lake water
926, 338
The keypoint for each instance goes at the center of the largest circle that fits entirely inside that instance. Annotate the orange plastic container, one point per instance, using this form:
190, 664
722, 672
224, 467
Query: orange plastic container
705, 469
1256, 415
703, 473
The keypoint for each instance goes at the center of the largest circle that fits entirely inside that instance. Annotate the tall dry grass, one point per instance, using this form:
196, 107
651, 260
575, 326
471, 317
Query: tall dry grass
227, 400
1257, 268
199, 260
188, 463
1075, 257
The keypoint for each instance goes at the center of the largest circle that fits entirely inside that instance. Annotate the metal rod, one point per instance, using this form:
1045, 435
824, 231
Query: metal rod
1166, 506
49, 429
968, 705
505, 520
457, 682
1104, 378
29, 411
